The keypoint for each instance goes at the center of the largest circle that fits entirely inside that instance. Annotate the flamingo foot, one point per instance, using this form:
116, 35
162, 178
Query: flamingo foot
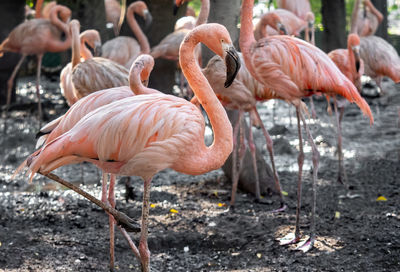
126, 222
306, 244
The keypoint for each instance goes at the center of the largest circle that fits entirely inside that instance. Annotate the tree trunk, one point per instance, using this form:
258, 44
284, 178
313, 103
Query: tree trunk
334, 21
12, 13
381, 5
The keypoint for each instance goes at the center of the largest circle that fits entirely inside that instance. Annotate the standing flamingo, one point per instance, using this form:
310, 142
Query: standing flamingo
79, 50
298, 7
349, 63
367, 20
94, 74
144, 134
295, 69
124, 50
35, 37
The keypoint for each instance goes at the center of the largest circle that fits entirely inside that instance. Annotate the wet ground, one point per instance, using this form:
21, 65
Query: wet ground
44, 227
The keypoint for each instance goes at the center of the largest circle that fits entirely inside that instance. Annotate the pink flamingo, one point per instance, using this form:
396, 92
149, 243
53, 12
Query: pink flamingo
124, 50
295, 69
298, 7
367, 20
89, 37
144, 134
35, 37
350, 64
113, 12
45, 11
93, 74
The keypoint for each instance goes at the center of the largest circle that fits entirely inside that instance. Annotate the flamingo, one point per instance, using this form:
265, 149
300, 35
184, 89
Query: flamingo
113, 12
298, 7
139, 74
367, 21
94, 74
143, 134
45, 11
124, 50
188, 21
243, 95
89, 37
35, 37
295, 69
350, 64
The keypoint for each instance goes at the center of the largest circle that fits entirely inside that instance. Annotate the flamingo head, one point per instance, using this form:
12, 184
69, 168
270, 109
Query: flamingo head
353, 42
92, 39
273, 20
63, 12
142, 10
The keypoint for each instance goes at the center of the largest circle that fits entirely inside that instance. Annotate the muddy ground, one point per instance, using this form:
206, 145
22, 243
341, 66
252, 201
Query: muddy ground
44, 227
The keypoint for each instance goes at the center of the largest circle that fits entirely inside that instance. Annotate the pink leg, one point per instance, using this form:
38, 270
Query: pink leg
39, 67
252, 148
342, 177
270, 148
10, 81
313, 113
111, 222
143, 247
235, 170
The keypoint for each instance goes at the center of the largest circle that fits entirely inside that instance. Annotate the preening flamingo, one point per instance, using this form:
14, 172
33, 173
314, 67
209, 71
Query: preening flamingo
298, 7
350, 64
295, 69
144, 134
366, 20
124, 50
140, 72
79, 51
36, 37
243, 95
113, 12
94, 74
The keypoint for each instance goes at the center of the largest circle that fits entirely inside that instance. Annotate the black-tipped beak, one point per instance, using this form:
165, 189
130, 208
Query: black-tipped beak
282, 29
97, 50
232, 62
145, 82
175, 9
148, 19
357, 59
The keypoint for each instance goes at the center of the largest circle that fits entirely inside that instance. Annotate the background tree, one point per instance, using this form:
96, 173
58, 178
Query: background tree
382, 6
334, 22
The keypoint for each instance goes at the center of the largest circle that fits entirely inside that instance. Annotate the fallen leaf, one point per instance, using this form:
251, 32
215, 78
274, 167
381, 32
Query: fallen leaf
337, 215
216, 193
173, 211
259, 255
285, 193
0, 244
153, 205
235, 253
221, 205
381, 198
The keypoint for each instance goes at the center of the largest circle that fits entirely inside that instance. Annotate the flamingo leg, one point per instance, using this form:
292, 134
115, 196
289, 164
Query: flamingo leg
10, 81
143, 246
252, 148
111, 222
313, 112
309, 243
39, 67
235, 170
270, 148
342, 177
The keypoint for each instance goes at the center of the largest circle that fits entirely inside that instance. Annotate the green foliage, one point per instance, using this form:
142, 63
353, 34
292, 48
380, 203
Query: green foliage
196, 5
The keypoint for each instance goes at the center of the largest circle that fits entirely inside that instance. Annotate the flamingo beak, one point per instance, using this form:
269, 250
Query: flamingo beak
148, 19
282, 29
232, 62
97, 49
176, 7
356, 51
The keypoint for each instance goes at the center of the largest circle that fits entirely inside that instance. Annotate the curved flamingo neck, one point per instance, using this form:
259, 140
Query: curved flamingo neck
375, 11
38, 9
75, 45
246, 32
139, 73
204, 12
142, 39
354, 16
206, 158
352, 60
261, 28
84, 51
58, 45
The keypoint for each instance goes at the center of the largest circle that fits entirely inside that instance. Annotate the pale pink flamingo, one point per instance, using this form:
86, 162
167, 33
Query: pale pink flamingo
295, 69
144, 134
298, 7
243, 95
80, 52
124, 50
113, 12
139, 74
94, 74
350, 64
367, 20
36, 37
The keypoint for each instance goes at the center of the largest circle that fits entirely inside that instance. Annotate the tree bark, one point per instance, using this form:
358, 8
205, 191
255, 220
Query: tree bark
334, 21
12, 13
381, 5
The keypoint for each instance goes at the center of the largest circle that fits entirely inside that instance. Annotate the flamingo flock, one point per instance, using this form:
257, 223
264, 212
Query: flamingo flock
125, 128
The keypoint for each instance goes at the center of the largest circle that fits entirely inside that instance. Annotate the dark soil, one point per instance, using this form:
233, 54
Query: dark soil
44, 227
